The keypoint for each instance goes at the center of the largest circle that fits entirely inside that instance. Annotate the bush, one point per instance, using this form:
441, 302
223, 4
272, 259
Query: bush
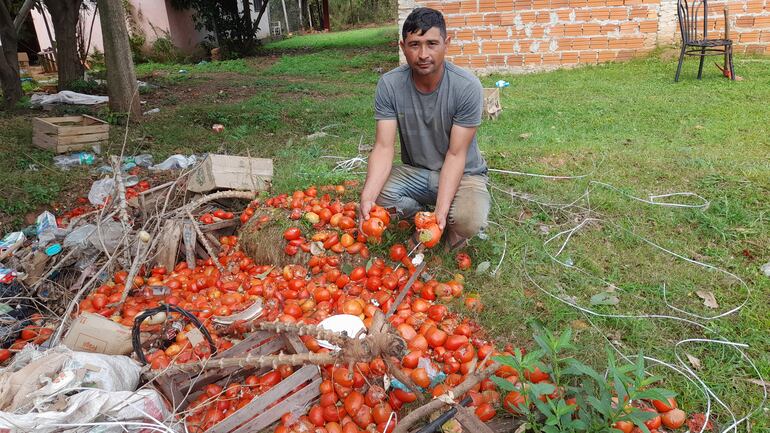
164, 51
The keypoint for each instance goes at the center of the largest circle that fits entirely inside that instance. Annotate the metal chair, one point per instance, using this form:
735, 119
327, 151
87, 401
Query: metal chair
276, 28
695, 43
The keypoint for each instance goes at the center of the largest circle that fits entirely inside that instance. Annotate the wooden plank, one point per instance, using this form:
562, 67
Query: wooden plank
169, 244
266, 417
40, 125
90, 120
65, 131
205, 228
84, 138
64, 119
44, 142
78, 146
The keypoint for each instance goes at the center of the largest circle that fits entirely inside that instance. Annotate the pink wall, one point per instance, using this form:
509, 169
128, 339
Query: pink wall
154, 18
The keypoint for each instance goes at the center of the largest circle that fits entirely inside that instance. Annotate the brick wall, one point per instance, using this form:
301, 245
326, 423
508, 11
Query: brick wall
535, 35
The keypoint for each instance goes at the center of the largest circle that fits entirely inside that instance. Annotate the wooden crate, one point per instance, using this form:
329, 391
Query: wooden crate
492, 107
292, 392
70, 133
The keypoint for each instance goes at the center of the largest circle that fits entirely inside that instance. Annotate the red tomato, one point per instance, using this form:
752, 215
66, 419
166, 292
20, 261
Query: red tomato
397, 252
674, 418
485, 412
292, 233
463, 261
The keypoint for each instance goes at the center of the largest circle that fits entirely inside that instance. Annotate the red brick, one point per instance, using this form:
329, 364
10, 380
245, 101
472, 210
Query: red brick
577, 3
464, 35
765, 37
463, 61
489, 47
450, 8
563, 15
515, 60
589, 57
525, 46
596, 3
543, 17
522, 5
625, 55
558, 4
755, 5
474, 20
487, 6
496, 60
551, 59
492, 19
481, 34
615, 2
537, 32
455, 21
609, 28
648, 26
582, 15
540, 4
606, 56
573, 29
528, 17
638, 12
471, 48
749, 37
505, 47
581, 43
499, 34
533, 59
600, 14
744, 21
569, 58
632, 2
629, 27
506, 19
454, 50
762, 21
468, 6
478, 61
556, 31
591, 29
505, 5
619, 13
755, 49
598, 43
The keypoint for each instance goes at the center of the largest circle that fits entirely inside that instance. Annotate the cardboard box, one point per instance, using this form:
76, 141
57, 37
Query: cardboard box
231, 172
94, 333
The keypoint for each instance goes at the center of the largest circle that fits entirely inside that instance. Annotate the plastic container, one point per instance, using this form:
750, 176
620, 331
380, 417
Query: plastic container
74, 159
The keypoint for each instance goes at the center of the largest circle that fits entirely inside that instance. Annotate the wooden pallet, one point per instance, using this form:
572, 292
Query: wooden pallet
70, 133
292, 392
492, 107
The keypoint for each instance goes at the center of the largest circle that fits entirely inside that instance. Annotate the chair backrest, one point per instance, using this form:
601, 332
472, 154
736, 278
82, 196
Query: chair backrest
689, 13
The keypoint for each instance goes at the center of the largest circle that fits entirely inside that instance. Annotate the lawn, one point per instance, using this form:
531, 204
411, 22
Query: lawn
620, 133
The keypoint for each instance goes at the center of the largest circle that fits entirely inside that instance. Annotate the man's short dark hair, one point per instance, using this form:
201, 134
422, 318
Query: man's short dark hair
423, 19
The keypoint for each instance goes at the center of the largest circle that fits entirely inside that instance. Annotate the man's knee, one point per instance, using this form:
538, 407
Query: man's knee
467, 223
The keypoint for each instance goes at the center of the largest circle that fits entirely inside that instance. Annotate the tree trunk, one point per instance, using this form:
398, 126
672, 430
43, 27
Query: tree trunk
64, 16
9, 62
121, 78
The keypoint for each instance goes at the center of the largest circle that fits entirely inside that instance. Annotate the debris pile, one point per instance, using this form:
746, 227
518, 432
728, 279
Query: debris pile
241, 310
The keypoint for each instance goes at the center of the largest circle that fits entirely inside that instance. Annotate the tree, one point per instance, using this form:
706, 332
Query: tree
121, 78
9, 62
234, 31
64, 16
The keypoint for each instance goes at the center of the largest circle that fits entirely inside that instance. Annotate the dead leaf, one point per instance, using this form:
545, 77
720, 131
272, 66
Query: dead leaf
695, 362
579, 325
525, 135
483, 267
708, 298
604, 298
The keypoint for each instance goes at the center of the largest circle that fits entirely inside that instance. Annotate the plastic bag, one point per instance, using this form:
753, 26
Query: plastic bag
175, 162
79, 236
100, 190
45, 227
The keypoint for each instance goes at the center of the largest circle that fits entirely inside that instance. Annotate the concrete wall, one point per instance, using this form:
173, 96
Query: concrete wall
153, 18
535, 35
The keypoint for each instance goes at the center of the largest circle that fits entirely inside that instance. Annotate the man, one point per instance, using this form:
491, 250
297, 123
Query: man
436, 107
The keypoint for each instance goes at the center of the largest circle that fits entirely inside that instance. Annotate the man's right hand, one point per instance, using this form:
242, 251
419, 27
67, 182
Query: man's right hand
363, 212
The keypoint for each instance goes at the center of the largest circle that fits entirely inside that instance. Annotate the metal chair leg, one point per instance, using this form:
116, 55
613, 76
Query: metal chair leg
702, 58
679, 67
730, 61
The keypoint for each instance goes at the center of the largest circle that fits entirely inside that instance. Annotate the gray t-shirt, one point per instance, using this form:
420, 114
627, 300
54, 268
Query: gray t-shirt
425, 119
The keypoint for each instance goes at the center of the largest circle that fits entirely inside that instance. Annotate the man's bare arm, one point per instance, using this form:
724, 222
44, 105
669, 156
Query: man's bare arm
380, 163
452, 171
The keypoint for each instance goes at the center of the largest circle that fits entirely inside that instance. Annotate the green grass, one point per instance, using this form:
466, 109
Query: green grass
368, 37
626, 124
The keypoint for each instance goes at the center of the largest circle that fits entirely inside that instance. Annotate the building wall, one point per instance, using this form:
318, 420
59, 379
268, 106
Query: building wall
536, 35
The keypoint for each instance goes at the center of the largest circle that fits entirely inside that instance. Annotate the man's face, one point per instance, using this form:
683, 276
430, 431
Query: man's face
425, 53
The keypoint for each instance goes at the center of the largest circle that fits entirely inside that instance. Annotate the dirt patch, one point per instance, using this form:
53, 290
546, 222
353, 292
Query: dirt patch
227, 85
